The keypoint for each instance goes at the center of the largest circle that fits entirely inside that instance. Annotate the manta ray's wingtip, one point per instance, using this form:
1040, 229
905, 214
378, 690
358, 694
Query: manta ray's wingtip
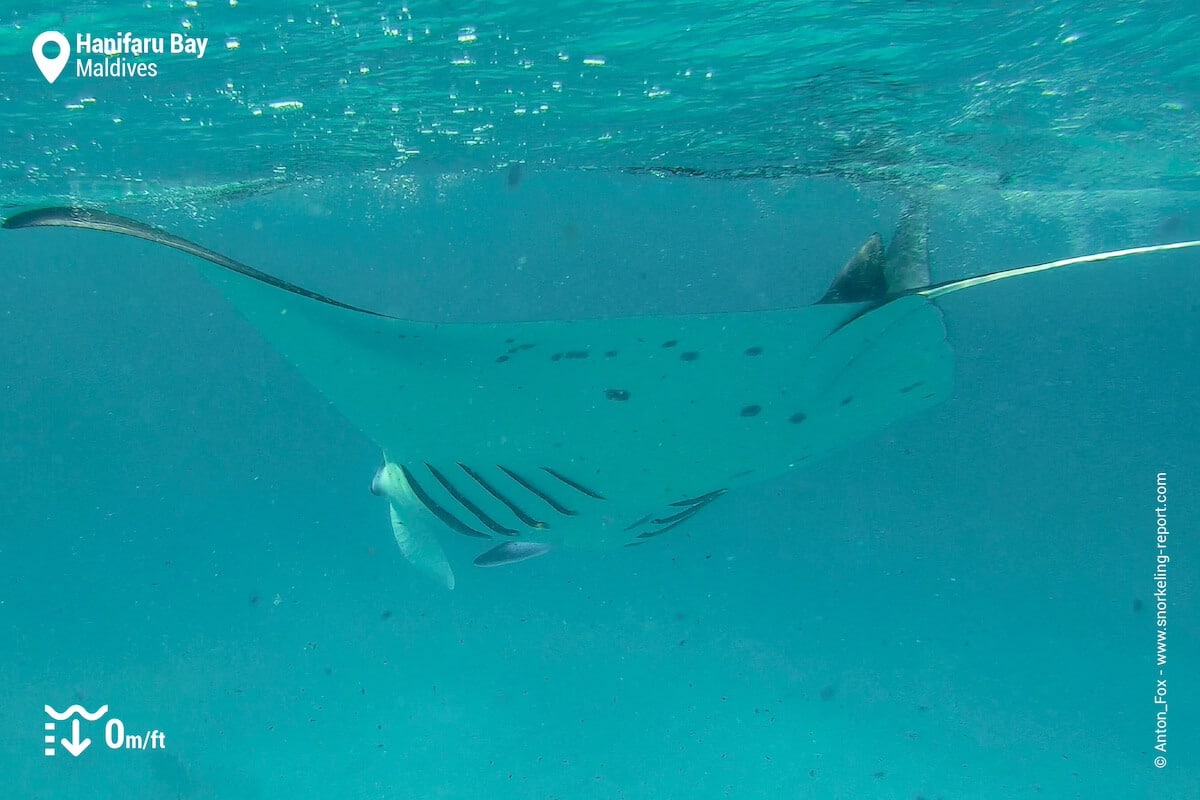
35, 217
906, 264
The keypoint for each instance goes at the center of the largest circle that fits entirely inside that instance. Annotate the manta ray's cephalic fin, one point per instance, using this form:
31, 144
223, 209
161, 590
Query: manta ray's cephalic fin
417, 541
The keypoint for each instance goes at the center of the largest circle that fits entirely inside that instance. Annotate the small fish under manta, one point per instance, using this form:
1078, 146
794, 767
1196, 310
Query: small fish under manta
602, 432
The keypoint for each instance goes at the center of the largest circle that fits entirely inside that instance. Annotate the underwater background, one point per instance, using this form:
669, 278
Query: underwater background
960, 607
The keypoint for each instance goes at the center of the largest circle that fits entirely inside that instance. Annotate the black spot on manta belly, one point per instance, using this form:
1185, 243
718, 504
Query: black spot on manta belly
616, 394
515, 173
751, 411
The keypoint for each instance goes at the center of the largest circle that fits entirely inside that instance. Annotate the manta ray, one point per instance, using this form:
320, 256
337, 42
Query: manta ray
602, 432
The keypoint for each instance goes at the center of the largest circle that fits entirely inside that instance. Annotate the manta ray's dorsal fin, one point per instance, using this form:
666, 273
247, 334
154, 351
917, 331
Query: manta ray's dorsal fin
862, 278
872, 275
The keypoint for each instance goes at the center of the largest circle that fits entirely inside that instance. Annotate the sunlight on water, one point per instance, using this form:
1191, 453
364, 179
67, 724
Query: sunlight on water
962, 95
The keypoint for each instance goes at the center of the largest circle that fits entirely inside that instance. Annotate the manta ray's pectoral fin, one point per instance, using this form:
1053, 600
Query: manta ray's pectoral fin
511, 553
873, 275
906, 265
420, 546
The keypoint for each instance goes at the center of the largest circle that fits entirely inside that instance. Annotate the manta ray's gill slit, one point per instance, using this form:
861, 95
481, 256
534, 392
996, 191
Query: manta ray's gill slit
703, 499
529, 487
639, 523
517, 511
678, 515
677, 520
466, 503
451, 521
693, 507
573, 484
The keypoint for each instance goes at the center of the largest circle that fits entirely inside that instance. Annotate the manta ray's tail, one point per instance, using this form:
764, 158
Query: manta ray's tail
875, 275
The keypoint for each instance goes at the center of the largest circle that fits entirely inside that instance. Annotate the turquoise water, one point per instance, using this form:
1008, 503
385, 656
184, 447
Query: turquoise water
1050, 96
960, 607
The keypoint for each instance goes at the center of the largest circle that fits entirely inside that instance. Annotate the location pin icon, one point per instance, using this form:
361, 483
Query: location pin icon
51, 67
